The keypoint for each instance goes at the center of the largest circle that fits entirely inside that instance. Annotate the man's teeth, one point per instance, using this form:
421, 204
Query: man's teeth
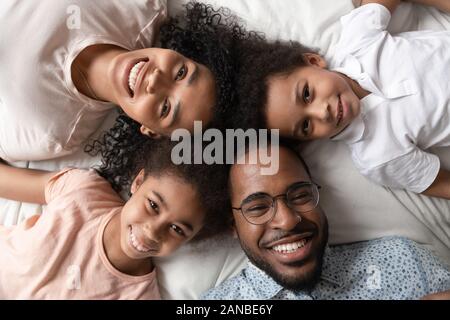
132, 78
138, 246
290, 247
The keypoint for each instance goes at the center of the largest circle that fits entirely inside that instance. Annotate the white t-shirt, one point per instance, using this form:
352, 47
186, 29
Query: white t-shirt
42, 114
409, 108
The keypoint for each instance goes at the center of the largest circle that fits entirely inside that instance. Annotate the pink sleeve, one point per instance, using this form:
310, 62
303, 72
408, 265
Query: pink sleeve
70, 181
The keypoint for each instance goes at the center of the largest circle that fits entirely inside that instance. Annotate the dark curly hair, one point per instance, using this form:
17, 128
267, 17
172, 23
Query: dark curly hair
260, 61
155, 157
212, 37
215, 38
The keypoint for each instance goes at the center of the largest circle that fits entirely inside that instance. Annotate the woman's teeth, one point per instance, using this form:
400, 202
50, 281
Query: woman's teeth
136, 244
132, 78
290, 247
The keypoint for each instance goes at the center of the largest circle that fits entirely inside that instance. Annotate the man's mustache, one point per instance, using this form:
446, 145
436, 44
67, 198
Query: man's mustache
299, 229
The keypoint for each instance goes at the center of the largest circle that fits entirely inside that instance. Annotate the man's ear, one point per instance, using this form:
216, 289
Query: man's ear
315, 59
148, 132
137, 182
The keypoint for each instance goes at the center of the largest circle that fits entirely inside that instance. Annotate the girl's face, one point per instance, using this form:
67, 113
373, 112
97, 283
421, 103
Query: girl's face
162, 214
311, 102
162, 90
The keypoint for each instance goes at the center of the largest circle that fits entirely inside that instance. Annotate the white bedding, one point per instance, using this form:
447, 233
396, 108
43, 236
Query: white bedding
357, 209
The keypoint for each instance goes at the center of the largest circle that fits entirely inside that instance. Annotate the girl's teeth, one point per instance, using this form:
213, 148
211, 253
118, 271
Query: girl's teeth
290, 247
136, 244
132, 78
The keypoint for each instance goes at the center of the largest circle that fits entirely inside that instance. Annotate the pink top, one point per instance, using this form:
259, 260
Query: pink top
60, 254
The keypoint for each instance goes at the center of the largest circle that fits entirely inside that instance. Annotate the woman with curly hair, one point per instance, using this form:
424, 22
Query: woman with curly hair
71, 64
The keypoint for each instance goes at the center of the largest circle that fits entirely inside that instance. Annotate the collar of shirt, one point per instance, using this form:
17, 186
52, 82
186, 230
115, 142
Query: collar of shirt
353, 132
256, 276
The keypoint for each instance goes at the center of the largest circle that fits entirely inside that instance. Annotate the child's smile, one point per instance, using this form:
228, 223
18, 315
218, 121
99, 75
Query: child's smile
311, 102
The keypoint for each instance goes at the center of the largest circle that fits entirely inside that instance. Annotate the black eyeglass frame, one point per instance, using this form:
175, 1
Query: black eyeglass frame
285, 197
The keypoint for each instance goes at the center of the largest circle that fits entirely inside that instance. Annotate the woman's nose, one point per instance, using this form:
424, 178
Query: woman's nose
155, 80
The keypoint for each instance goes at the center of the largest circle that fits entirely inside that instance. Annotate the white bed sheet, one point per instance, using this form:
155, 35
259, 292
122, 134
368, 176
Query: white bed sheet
357, 209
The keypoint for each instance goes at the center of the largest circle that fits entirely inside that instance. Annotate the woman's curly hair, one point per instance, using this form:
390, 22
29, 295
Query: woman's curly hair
215, 38
212, 37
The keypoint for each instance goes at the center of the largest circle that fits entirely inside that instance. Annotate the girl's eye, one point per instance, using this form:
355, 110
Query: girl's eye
178, 230
153, 205
305, 127
181, 73
306, 94
165, 109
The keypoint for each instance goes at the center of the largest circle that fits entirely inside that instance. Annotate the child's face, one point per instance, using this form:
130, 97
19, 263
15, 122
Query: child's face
162, 214
311, 102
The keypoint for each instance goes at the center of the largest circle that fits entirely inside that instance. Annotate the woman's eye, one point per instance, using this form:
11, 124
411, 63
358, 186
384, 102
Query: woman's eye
165, 109
306, 94
305, 127
178, 230
181, 73
153, 205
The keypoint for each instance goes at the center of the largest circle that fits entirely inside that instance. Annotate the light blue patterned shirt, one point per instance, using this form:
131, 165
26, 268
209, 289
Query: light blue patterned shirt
386, 268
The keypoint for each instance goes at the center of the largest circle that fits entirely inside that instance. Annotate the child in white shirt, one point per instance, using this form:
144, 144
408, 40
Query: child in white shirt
387, 97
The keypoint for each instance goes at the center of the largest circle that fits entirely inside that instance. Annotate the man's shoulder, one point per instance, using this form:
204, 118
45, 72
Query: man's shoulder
382, 250
384, 242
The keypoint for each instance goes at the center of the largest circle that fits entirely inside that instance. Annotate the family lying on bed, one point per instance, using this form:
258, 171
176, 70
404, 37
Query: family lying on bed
213, 71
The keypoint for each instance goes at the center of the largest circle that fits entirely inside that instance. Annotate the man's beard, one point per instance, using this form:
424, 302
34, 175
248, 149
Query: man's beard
304, 281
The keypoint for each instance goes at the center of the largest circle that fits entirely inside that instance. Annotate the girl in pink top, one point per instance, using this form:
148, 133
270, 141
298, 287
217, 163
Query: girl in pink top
89, 243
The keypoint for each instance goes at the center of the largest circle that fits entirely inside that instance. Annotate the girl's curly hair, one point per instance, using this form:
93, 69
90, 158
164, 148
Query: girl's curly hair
155, 157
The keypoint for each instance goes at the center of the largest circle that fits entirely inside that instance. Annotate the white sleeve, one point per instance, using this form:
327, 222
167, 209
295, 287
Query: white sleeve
363, 26
414, 171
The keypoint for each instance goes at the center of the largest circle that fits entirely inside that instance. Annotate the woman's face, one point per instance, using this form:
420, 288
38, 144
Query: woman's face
163, 213
162, 90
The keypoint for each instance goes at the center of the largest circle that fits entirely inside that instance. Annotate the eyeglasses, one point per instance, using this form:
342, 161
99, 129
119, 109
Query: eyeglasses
260, 208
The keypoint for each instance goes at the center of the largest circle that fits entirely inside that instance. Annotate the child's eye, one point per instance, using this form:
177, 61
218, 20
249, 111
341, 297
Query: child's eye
178, 230
181, 73
306, 94
305, 127
153, 205
165, 109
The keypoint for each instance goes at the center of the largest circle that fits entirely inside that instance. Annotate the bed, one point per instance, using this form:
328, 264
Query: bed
357, 209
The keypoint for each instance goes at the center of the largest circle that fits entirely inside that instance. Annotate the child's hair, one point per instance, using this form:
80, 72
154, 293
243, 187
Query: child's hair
263, 60
122, 161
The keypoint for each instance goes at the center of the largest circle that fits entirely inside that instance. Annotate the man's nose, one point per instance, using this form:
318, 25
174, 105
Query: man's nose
285, 218
155, 81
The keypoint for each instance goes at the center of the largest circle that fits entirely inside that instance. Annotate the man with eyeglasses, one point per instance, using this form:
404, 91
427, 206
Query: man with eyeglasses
284, 233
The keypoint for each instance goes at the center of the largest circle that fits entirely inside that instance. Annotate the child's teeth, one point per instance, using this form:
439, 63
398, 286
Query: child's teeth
136, 244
